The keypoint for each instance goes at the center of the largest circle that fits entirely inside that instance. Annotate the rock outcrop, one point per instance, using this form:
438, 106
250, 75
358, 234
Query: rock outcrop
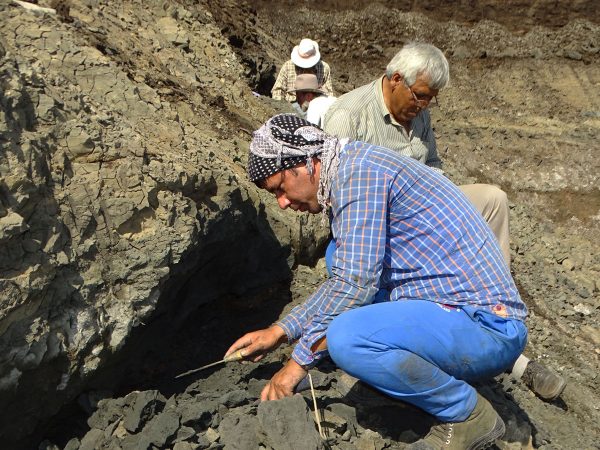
132, 248
123, 143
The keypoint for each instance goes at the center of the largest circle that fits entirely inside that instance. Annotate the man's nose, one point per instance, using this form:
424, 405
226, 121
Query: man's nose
425, 102
283, 201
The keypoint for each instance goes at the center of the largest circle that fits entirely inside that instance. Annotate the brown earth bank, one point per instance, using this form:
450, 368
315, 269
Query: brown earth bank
132, 248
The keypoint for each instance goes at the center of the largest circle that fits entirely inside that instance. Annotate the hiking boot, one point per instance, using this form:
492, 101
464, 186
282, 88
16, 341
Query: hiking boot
542, 380
479, 431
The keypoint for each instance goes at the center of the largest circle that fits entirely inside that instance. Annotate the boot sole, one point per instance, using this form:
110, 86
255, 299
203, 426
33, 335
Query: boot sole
488, 439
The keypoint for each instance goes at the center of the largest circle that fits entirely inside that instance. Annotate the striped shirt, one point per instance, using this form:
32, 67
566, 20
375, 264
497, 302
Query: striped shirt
361, 115
405, 228
286, 79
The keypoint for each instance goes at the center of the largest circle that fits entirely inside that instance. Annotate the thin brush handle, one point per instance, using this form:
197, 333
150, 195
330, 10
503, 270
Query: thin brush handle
235, 356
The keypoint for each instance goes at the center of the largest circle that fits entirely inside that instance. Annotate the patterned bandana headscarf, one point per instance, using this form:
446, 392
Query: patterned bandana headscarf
285, 141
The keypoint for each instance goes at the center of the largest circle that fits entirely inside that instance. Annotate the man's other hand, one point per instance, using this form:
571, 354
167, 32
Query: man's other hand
257, 344
283, 382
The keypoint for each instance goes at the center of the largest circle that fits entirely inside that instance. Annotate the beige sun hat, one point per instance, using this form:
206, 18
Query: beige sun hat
306, 82
306, 54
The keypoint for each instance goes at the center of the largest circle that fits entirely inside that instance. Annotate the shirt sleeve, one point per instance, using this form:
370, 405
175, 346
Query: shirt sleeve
278, 90
313, 113
433, 160
327, 83
359, 226
340, 123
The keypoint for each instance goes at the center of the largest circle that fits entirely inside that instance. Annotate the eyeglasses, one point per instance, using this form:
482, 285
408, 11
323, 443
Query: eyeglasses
423, 101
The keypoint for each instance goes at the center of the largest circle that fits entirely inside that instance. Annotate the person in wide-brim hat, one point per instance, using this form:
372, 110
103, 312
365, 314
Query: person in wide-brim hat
311, 101
305, 58
307, 82
306, 54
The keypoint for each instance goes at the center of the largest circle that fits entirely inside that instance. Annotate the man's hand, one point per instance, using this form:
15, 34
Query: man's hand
257, 344
283, 382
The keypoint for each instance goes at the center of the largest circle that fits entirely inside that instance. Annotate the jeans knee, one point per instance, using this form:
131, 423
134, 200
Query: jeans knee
340, 343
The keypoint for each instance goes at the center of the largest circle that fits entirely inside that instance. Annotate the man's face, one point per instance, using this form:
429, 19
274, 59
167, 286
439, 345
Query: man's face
407, 101
304, 99
295, 188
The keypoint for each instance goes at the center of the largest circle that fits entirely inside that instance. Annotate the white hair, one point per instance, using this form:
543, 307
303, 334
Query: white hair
418, 58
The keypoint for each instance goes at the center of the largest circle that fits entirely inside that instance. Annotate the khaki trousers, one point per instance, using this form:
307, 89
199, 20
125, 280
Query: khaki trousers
492, 203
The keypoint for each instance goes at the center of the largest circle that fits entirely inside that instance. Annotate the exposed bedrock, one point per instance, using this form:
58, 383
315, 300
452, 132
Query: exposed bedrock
122, 195
132, 248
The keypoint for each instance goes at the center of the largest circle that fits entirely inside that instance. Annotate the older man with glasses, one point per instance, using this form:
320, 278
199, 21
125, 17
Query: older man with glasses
392, 112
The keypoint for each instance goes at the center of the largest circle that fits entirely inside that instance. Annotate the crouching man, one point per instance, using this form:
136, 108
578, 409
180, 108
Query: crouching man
452, 313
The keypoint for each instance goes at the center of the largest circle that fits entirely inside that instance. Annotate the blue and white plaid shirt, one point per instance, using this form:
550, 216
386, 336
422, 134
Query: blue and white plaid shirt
402, 227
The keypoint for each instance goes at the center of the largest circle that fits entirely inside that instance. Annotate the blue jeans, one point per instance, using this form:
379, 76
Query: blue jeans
425, 353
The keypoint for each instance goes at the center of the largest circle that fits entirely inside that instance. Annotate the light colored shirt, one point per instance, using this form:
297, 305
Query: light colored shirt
405, 228
286, 79
361, 115
317, 108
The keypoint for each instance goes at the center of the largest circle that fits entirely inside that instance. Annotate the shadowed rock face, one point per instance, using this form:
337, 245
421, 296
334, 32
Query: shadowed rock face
132, 248
121, 185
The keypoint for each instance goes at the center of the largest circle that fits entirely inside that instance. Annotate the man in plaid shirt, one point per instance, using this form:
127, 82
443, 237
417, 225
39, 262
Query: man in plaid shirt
452, 313
305, 58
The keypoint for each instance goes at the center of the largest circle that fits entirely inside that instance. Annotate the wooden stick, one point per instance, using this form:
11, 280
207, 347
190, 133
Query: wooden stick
317, 415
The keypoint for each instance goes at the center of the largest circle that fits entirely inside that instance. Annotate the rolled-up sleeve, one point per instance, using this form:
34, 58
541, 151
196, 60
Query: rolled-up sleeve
327, 85
279, 90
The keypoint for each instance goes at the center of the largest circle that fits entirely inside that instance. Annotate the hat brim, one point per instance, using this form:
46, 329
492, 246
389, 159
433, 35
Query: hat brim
316, 91
305, 63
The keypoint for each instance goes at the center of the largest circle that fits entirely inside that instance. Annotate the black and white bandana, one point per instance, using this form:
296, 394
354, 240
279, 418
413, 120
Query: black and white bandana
285, 141
260, 168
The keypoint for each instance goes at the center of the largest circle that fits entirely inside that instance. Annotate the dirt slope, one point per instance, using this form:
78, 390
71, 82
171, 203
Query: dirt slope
129, 125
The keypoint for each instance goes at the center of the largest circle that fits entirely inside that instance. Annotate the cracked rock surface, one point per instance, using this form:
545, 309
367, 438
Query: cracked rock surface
132, 247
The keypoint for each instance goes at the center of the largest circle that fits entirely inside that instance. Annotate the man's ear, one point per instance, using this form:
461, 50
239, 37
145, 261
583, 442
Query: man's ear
397, 78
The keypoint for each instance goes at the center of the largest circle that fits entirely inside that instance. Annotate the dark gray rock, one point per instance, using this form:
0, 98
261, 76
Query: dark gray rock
185, 446
144, 407
239, 432
109, 411
184, 433
203, 441
288, 424
346, 412
255, 387
132, 442
161, 429
92, 439
73, 444
197, 413
89, 400
235, 398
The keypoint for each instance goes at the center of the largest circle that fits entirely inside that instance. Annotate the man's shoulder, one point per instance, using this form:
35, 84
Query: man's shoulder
324, 64
357, 99
322, 100
365, 154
